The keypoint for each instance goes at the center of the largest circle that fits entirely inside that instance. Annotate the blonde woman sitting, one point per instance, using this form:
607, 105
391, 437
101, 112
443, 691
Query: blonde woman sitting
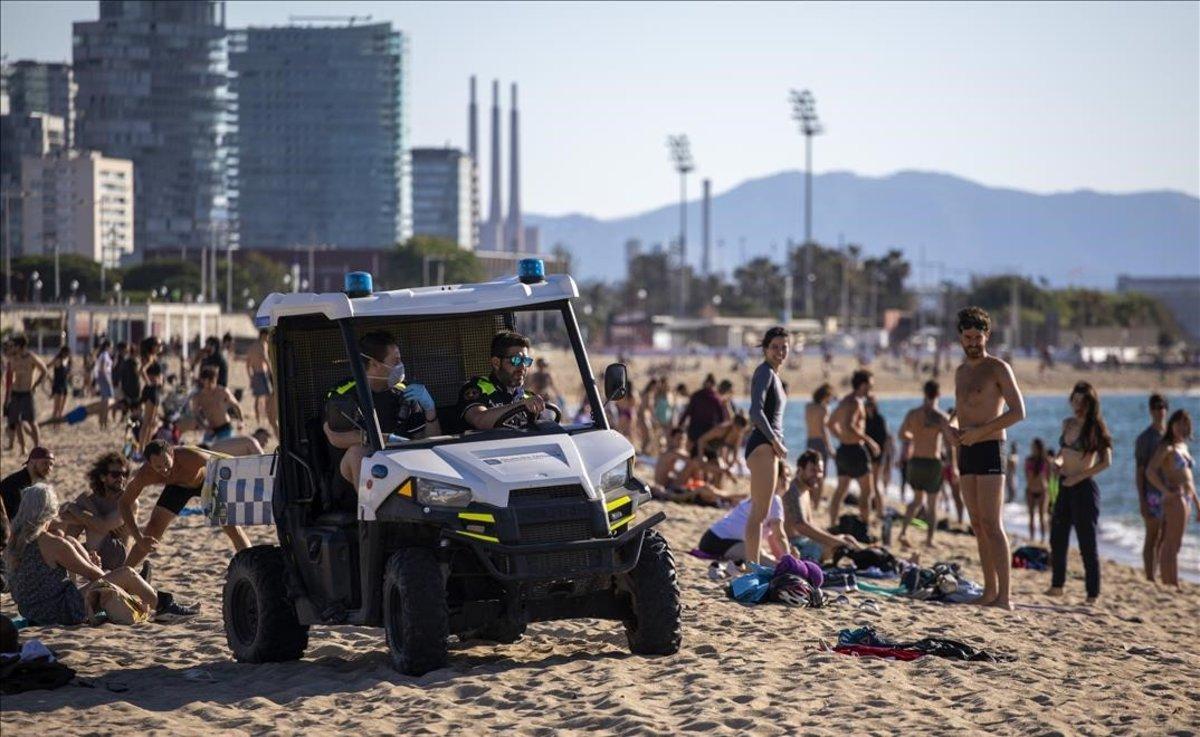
40, 559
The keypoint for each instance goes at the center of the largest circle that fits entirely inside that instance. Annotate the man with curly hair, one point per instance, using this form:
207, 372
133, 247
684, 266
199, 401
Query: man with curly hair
96, 515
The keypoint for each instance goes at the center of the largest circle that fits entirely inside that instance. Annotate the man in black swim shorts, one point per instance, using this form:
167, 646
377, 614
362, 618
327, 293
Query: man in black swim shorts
848, 423
987, 401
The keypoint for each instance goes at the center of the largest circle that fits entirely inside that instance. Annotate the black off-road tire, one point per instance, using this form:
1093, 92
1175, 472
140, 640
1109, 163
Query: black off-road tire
415, 618
503, 631
260, 620
655, 627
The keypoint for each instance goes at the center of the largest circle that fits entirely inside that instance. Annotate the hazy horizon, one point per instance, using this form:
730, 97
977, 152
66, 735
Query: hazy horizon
1038, 97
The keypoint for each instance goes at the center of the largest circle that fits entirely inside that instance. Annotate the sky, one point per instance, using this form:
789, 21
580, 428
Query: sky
1042, 96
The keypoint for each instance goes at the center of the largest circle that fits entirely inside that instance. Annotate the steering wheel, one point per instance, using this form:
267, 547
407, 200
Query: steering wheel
520, 408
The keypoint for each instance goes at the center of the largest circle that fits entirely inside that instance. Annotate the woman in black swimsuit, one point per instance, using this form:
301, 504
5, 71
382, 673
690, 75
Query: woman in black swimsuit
61, 366
764, 447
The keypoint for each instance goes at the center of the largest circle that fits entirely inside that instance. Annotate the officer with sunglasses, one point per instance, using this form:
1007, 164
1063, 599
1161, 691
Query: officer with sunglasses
484, 401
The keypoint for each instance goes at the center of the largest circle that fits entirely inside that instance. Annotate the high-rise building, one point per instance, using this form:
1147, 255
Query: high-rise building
40, 87
154, 89
21, 136
322, 135
80, 203
442, 194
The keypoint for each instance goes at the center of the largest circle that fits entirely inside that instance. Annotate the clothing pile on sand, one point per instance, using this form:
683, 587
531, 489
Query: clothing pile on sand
1031, 558
791, 581
866, 642
30, 666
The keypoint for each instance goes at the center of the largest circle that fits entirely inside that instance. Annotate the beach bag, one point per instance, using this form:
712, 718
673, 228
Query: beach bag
850, 524
118, 605
752, 587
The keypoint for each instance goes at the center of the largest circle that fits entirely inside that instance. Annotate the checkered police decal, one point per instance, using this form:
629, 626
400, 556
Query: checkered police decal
241, 494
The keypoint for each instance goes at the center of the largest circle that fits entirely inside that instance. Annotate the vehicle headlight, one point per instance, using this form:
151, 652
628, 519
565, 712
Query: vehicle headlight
616, 477
441, 494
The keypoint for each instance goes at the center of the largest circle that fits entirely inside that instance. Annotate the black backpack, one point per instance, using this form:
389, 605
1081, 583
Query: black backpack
850, 524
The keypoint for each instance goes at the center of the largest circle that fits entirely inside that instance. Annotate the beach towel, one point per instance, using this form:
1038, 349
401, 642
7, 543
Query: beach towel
874, 651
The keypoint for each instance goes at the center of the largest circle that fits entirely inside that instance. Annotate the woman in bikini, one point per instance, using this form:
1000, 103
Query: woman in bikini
1086, 451
1037, 474
1170, 474
60, 366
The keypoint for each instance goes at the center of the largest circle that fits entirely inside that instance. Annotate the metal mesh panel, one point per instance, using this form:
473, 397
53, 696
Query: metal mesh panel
441, 353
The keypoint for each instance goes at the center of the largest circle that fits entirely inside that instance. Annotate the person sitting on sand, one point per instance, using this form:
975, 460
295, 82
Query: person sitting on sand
215, 406
181, 472
41, 557
725, 539
95, 513
720, 444
680, 478
809, 541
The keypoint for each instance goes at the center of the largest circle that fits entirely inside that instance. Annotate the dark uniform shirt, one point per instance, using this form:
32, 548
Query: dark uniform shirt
11, 488
397, 416
488, 392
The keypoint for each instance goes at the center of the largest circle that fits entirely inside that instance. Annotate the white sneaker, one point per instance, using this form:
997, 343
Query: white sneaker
716, 571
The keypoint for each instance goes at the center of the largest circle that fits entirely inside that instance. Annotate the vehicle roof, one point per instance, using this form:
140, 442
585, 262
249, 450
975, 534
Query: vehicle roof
507, 293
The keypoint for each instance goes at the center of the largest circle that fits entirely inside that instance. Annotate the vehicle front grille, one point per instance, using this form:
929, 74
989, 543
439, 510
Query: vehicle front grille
556, 532
519, 497
561, 564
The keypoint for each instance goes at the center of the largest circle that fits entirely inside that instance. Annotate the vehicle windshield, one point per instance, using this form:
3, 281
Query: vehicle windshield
448, 363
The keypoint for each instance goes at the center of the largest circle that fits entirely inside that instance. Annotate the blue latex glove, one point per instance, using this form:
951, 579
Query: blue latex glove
419, 394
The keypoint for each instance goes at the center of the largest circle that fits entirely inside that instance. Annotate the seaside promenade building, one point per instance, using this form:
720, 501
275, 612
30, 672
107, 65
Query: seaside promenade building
78, 203
442, 195
154, 89
323, 136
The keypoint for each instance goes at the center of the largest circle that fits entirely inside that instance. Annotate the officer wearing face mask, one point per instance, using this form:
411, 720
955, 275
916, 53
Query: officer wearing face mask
402, 408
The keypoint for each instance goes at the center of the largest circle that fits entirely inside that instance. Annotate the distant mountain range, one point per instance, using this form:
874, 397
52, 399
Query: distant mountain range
1084, 238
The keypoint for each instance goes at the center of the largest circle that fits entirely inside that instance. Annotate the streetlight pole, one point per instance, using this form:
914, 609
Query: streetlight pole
681, 156
804, 112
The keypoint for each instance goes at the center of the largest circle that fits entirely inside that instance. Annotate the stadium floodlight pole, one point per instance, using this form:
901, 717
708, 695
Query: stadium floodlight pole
804, 112
681, 156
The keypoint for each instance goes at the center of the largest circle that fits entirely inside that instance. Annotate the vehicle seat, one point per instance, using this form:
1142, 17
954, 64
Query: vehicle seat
325, 460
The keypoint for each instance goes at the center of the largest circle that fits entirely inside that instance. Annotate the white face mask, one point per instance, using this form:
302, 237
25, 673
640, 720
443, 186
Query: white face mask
395, 373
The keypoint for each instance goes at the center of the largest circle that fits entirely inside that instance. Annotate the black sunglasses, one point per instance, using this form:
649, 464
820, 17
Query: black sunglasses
115, 474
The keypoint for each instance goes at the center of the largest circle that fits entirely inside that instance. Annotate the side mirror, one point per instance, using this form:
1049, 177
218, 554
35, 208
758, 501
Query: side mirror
616, 382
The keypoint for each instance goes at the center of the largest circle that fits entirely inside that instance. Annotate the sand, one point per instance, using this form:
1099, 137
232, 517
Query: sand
1128, 666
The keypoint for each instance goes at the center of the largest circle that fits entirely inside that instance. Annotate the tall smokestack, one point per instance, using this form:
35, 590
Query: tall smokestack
495, 224
473, 143
514, 233
706, 227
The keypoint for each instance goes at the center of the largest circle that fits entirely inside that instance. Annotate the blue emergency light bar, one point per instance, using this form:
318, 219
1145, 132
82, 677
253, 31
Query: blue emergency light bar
531, 270
359, 284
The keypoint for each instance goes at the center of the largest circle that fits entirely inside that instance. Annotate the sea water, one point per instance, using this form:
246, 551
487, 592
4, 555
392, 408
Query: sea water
1121, 530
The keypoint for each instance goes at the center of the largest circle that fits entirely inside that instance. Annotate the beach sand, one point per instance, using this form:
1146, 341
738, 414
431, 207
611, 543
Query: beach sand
1126, 666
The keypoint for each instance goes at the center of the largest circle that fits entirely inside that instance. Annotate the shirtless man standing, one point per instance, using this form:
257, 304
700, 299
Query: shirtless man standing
848, 423
922, 432
258, 368
816, 413
215, 406
181, 472
983, 386
20, 408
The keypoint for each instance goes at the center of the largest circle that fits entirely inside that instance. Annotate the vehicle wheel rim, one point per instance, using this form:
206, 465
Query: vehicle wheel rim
245, 612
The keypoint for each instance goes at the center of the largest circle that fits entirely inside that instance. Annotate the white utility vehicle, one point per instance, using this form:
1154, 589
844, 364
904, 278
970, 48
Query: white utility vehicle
475, 533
